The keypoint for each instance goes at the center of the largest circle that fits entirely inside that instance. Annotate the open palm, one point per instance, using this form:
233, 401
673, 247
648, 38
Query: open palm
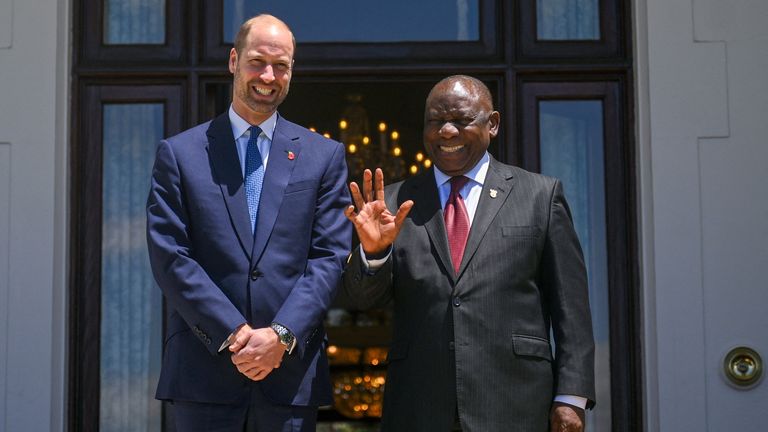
377, 228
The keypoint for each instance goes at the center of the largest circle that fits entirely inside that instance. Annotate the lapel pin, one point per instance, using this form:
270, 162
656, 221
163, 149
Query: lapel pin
291, 156
493, 193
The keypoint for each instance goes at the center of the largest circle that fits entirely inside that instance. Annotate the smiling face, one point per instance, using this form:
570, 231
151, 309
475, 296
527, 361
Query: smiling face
459, 123
262, 69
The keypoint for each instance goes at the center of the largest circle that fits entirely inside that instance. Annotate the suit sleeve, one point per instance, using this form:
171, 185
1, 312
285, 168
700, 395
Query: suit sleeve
565, 279
305, 308
362, 290
185, 284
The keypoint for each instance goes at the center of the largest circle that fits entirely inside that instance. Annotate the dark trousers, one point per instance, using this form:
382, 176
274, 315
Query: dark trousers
257, 415
456, 422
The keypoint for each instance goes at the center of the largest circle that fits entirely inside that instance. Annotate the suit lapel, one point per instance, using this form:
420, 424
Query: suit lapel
498, 183
427, 205
228, 174
279, 169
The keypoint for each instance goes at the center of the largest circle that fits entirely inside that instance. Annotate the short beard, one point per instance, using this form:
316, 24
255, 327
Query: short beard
244, 94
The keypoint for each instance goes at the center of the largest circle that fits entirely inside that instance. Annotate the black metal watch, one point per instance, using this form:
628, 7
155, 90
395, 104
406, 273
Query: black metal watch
285, 336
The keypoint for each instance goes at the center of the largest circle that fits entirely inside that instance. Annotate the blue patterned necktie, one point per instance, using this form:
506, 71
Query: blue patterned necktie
254, 175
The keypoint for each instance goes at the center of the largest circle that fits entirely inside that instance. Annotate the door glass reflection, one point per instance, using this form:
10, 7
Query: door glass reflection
363, 20
571, 143
567, 19
131, 305
134, 22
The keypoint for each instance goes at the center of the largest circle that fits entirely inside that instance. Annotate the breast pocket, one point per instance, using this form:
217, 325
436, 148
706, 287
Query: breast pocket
520, 231
300, 186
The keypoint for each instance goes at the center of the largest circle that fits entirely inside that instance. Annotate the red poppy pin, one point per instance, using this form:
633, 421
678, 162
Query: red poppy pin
291, 156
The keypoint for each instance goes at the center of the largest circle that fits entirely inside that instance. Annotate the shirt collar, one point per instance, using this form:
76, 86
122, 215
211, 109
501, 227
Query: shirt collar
476, 174
240, 126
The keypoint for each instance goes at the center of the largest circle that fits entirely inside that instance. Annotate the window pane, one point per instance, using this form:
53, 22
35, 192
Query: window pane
134, 22
131, 306
567, 20
571, 142
363, 20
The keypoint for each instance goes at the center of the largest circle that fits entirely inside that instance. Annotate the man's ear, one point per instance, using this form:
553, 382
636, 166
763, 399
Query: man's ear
493, 121
232, 60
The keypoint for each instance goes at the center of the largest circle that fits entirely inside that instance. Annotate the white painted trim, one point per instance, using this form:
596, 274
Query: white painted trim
645, 215
5, 280
6, 24
62, 198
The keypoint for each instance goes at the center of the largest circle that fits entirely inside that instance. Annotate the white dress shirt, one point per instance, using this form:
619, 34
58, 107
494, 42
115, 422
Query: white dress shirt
242, 133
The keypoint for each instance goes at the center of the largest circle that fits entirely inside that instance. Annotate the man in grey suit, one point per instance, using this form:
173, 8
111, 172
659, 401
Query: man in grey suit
481, 260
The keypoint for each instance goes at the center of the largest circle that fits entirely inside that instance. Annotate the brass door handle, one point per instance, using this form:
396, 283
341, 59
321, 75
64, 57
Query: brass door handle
743, 366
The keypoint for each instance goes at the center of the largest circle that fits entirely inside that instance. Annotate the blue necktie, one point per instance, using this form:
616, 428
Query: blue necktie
254, 175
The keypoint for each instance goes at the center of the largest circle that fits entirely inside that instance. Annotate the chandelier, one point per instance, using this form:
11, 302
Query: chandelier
382, 149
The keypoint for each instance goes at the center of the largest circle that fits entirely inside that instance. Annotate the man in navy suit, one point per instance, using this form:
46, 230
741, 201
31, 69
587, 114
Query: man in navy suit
247, 239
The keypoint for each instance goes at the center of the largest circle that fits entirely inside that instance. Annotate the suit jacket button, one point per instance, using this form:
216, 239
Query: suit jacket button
255, 274
456, 301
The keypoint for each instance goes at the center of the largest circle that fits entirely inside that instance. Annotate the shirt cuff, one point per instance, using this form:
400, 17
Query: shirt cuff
372, 265
576, 401
227, 342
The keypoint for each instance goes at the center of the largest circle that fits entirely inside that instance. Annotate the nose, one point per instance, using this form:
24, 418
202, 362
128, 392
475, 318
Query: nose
448, 130
268, 74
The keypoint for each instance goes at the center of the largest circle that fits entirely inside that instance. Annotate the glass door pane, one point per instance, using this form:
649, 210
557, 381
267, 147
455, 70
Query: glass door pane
131, 305
364, 20
134, 22
571, 146
567, 19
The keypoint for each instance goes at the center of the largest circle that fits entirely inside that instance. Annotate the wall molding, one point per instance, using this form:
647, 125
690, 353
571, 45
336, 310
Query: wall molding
5, 279
6, 24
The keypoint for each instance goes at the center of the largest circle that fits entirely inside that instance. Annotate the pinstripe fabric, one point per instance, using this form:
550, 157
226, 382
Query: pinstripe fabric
479, 339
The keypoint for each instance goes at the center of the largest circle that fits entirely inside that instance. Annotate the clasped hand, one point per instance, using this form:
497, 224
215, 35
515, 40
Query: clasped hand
256, 352
375, 225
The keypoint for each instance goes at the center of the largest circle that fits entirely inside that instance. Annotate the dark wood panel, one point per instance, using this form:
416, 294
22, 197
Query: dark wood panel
86, 224
488, 47
89, 16
610, 44
623, 292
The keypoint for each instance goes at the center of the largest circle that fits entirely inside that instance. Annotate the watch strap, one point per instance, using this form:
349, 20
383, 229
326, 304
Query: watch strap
286, 337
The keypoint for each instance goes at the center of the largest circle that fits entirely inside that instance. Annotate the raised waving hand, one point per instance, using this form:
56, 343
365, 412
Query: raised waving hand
376, 226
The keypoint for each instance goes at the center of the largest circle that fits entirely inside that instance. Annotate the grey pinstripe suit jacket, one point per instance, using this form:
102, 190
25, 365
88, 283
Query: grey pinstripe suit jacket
480, 340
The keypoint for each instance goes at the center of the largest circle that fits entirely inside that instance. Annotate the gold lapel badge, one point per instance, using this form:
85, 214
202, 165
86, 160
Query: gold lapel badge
493, 193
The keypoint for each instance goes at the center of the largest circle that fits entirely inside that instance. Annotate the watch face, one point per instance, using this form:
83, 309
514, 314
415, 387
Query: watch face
284, 335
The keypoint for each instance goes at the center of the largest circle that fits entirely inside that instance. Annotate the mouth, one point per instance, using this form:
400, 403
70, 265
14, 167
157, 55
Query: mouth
451, 149
264, 91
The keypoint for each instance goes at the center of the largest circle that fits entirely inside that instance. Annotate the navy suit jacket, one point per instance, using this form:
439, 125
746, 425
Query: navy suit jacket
215, 274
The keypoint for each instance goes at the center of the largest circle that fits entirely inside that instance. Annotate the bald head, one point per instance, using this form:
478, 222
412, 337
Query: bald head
260, 20
459, 123
466, 86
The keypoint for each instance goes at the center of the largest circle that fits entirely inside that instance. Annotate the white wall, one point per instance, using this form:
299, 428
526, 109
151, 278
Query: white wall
702, 91
34, 86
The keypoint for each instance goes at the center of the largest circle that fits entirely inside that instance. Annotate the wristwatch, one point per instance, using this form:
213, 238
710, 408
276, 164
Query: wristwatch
285, 336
